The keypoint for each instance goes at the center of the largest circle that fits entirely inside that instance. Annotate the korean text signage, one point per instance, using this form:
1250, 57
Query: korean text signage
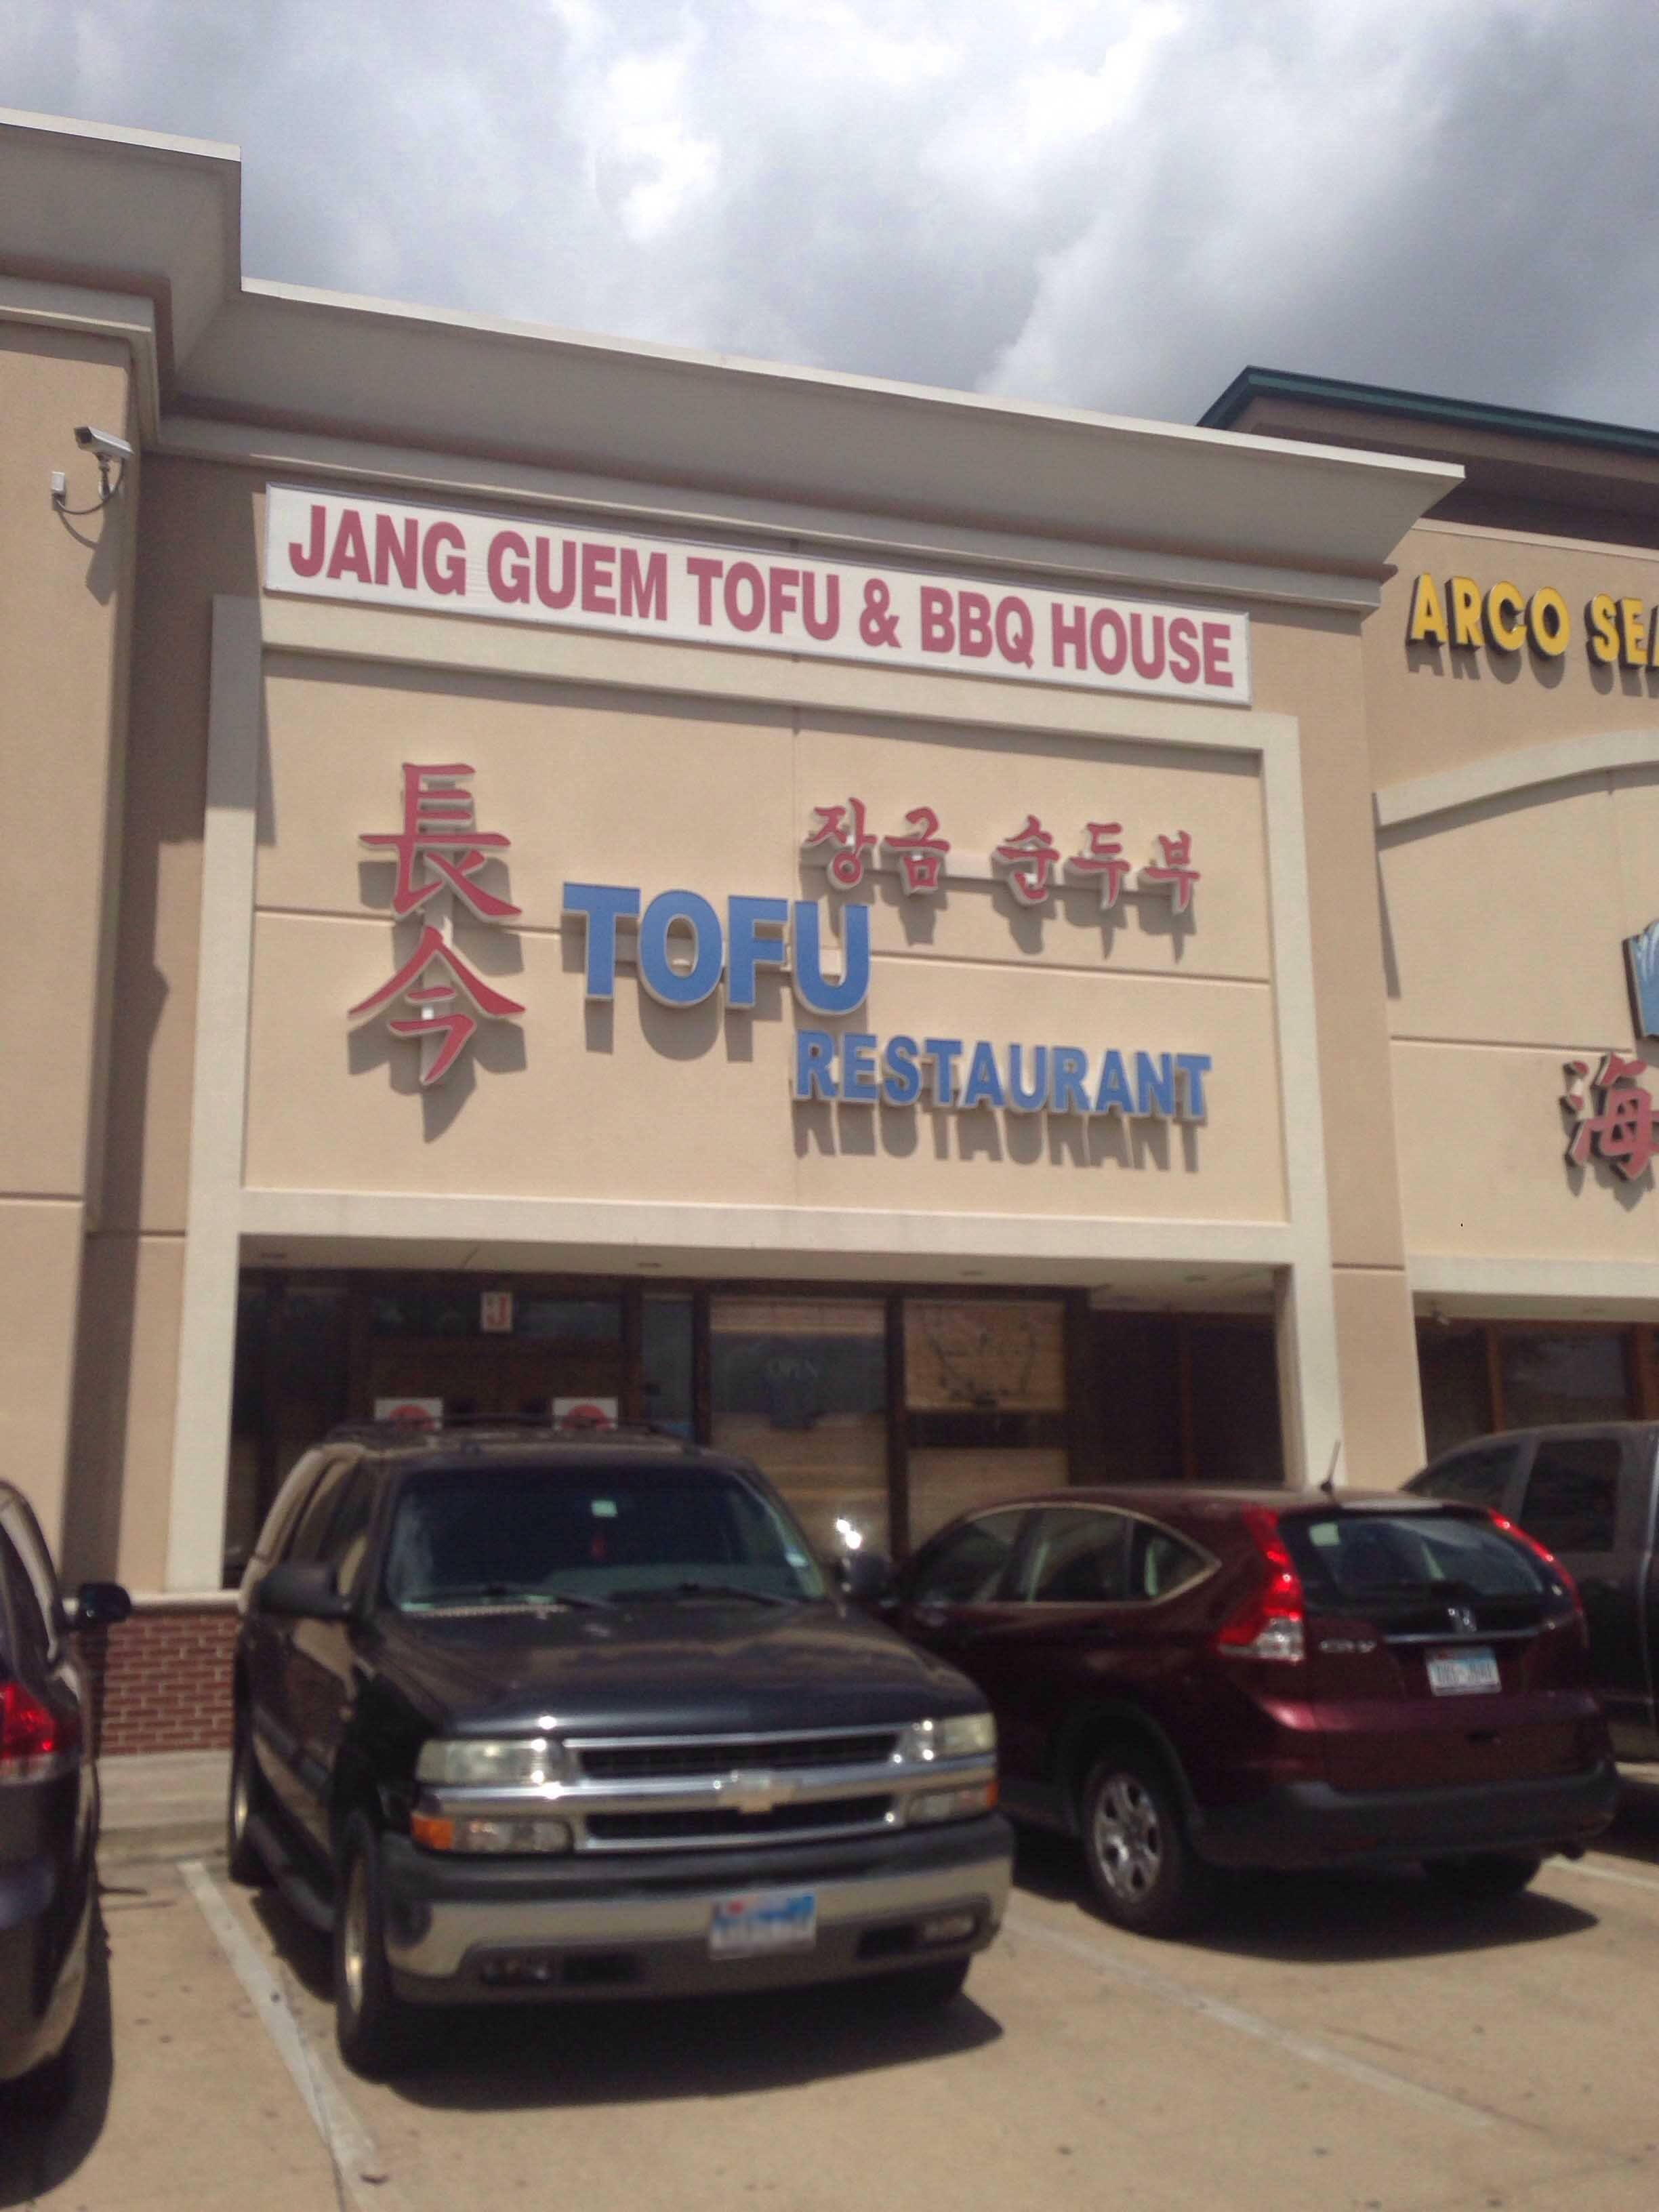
1618, 632
327, 546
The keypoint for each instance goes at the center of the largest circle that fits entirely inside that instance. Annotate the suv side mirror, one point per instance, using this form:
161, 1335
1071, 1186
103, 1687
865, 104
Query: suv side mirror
304, 1589
101, 1604
866, 1577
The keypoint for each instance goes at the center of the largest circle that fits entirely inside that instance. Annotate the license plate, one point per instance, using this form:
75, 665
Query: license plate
1456, 1674
763, 1920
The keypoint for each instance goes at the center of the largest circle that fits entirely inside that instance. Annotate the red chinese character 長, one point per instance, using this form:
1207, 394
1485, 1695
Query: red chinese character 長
442, 838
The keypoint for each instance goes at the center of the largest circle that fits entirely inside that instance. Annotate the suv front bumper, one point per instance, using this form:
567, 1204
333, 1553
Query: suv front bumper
461, 1931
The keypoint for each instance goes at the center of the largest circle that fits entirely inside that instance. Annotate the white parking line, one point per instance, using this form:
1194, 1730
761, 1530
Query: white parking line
1604, 1874
358, 2166
1095, 1955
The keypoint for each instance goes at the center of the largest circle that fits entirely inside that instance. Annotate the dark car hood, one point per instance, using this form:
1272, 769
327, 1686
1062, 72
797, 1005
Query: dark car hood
667, 1669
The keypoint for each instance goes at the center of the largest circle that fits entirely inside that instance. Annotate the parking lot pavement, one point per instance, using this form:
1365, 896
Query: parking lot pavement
1327, 2044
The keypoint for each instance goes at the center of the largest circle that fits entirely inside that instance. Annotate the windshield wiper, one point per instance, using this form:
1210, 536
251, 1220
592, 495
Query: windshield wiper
506, 1594
712, 1589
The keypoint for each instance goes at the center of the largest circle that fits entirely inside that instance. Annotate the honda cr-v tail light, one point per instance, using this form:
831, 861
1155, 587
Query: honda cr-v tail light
35, 1742
1270, 1624
1555, 1575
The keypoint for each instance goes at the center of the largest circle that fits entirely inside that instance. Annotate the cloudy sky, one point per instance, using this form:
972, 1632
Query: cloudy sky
1113, 204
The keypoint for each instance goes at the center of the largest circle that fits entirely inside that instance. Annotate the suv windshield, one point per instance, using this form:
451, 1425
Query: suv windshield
539, 1534
1360, 1561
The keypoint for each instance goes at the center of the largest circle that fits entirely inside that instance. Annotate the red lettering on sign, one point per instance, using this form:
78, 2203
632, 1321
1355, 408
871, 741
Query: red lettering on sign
827, 626
599, 584
511, 584
938, 630
743, 576
447, 578
782, 596
350, 555
707, 574
1069, 632
974, 625
1148, 658
309, 562
1217, 648
397, 546
1183, 649
545, 590
1107, 663
645, 589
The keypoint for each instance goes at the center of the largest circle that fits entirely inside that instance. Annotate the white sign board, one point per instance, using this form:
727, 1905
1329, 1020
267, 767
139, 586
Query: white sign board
450, 561
585, 1412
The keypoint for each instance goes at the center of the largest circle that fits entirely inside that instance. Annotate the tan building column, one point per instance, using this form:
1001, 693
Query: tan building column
1310, 665
64, 607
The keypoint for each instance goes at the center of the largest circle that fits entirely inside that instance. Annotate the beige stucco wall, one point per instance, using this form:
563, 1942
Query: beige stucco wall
643, 1102
197, 535
1312, 666
64, 582
1431, 707
1505, 917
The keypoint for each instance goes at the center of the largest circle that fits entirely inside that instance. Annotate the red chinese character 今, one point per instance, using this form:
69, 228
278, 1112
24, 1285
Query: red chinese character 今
1030, 856
1103, 859
843, 828
921, 855
440, 832
1176, 872
431, 1020
1622, 1133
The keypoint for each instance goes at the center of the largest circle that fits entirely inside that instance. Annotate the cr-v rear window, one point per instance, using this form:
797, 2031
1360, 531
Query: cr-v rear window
1366, 1560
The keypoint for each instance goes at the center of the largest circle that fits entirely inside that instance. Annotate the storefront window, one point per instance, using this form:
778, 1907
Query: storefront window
1575, 1377
1236, 1431
1451, 1366
985, 1403
291, 1388
666, 1357
799, 1386
1137, 1394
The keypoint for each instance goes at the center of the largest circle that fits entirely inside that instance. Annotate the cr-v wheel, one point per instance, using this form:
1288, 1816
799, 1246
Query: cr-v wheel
1144, 1870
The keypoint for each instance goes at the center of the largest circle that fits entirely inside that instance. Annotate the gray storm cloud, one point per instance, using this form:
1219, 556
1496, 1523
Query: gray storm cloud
1113, 206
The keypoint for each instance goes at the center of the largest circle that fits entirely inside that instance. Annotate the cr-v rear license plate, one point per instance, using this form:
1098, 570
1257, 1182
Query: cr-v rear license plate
1456, 1674
763, 1920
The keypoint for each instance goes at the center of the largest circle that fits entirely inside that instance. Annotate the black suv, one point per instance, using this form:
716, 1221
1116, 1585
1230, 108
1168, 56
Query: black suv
529, 1714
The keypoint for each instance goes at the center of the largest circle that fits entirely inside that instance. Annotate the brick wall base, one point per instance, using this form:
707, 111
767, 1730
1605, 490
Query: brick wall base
161, 1681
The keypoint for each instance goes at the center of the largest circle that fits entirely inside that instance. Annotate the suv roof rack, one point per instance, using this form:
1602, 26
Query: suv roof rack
518, 1428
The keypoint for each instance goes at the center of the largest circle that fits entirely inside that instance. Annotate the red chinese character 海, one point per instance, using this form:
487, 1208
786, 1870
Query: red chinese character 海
921, 855
456, 1027
1103, 860
843, 828
440, 831
1176, 872
1030, 856
1622, 1133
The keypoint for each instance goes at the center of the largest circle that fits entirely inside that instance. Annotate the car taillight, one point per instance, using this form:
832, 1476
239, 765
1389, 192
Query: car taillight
1554, 1572
35, 1742
1271, 1622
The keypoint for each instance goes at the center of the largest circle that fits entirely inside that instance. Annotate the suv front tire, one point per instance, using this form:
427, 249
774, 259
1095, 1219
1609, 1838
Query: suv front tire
371, 2021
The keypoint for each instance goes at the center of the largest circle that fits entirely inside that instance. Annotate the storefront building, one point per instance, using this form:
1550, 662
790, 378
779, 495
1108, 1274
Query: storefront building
949, 946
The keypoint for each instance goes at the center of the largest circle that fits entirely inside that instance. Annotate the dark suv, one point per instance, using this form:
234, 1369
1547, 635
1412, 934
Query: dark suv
1190, 1680
535, 1715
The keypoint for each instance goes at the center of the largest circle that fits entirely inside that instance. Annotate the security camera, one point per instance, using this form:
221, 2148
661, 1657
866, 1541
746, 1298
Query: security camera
104, 443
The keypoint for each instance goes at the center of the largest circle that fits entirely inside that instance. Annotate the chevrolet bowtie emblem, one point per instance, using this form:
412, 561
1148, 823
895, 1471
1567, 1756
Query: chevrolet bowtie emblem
755, 1793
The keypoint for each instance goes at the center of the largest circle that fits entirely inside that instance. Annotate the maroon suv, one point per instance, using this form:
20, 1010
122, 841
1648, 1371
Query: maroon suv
1190, 1680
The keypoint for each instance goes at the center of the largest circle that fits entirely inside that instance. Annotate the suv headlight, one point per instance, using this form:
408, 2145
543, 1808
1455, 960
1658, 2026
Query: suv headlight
962, 1736
481, 1762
